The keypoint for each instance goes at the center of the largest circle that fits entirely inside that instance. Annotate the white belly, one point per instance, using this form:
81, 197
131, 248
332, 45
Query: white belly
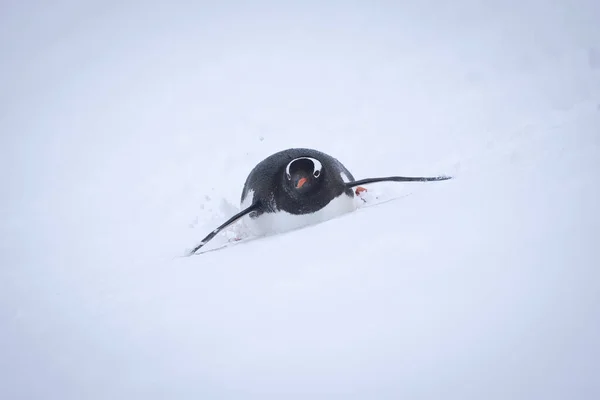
281, 221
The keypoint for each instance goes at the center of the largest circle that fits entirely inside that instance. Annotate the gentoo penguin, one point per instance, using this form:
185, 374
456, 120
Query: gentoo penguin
299, 187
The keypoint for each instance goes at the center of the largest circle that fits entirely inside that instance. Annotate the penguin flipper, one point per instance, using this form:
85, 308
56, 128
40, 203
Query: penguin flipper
397, 179
230, 221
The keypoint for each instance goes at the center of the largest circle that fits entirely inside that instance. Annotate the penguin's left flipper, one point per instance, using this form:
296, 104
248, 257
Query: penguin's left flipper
397, 179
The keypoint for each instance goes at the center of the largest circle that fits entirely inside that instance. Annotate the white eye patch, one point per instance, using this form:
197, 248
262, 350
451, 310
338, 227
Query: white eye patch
316, 166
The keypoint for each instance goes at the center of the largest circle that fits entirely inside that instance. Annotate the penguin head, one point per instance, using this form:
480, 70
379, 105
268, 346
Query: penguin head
303, 175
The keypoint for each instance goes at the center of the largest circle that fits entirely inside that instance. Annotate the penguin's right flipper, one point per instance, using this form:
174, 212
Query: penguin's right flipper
225, 225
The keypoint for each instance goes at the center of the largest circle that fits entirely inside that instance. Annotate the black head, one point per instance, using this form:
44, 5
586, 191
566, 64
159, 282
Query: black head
303, 175
297, 181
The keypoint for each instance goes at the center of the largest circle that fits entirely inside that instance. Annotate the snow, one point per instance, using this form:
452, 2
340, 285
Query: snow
127, 130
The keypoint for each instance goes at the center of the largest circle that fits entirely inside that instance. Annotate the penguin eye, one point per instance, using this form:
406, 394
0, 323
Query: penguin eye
317, 173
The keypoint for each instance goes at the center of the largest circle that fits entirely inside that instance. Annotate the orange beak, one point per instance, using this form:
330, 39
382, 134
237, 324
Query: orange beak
301, 182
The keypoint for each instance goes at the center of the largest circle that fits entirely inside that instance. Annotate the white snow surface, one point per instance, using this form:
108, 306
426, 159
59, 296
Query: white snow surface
127, 130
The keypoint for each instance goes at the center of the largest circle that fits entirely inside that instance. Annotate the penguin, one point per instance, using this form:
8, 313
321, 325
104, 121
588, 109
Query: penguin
298, 187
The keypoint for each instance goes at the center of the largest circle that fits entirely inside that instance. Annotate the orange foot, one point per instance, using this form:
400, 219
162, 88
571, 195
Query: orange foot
359, 190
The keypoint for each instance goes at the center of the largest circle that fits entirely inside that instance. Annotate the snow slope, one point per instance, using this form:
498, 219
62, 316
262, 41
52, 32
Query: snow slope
126, 128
